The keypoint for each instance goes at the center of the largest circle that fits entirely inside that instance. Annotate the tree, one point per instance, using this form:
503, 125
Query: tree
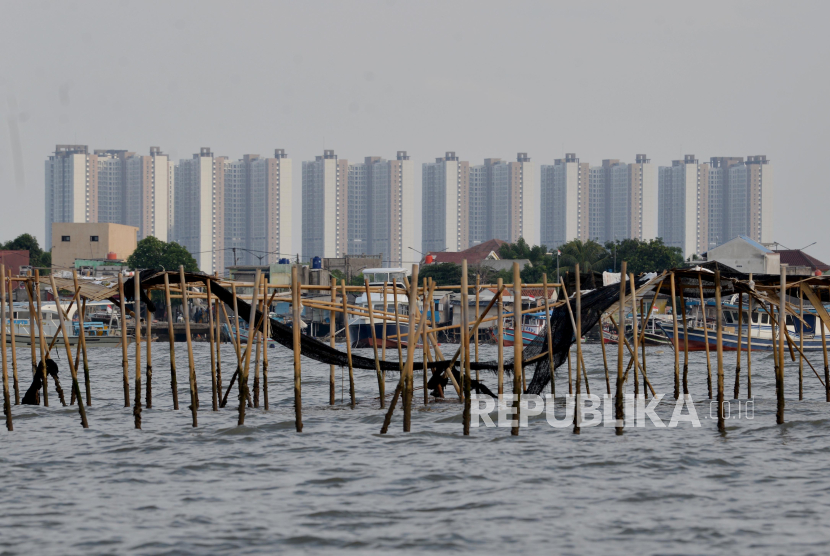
38, 258
646, 256
589, 255
151, 252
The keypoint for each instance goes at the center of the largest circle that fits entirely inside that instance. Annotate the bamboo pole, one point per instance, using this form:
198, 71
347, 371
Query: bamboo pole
412, 339
425, 342
370, 304
782, 330
296, 323
518, 369
124, 355
740, 344
636, 330
32, 324
174, 385
719, 323
332, 330
266, 335
749, 347
194, 396
500, 341
397, 327
257, 349
82, 344
578, 332
237, 338
465, 348
75, 386
619, 406
383, 349
253, 326
348, 345
801, 347
42, 341
705, 337
644, 319
675, 342
7, 402
137, 311
550, 338
478, 311
149, 367
14, 347
826, 366
218, 336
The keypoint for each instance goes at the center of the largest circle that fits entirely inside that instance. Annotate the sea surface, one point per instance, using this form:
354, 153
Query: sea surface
262, 488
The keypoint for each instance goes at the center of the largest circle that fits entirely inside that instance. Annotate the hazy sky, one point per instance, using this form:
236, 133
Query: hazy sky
484, 79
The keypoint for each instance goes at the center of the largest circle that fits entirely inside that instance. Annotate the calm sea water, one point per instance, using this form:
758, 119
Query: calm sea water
340, 485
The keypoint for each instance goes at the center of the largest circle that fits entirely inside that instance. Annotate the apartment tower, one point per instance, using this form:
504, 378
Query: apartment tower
445, 207
565, 201
325, 206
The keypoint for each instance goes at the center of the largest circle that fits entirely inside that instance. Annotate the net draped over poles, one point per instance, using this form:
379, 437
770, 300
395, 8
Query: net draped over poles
594, 304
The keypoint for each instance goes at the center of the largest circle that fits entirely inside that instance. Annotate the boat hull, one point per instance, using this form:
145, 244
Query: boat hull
697, 341
510, 339
360, 334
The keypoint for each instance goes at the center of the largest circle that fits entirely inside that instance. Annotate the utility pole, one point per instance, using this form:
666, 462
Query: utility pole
234, 256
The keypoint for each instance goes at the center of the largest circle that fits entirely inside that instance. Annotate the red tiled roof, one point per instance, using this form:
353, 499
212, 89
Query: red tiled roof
474, 255
796, 257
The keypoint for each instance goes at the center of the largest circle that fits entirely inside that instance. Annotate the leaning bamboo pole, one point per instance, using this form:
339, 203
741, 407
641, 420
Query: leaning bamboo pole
550, 338
82, 343
397, 326
257, 350
75, 386
253, 326
705, 335
370, 304
686, 345
740, 344
194, 397
172, 338
636, 330
14, 348
719, 330
619, 406
42, 340
412, 339
137, 311
124, 355
478, 311
213, 383
500, 341
465, 347
644, 322
332, 331
518, 368
7, 403
296, 323
32, 322
348, 346
675, 342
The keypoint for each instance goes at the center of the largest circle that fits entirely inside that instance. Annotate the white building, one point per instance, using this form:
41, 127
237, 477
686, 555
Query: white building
683, 204
199, 209
565, 201
445, 207
71, 187
325, 207
147, 190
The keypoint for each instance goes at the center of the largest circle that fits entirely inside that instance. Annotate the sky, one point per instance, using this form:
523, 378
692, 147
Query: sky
369, 78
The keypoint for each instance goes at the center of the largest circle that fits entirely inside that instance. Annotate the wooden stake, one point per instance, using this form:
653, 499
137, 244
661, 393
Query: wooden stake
42, 341
425, 341
578, 332
332, 330
32, 324
14, 348
213, 383
740, 344
266, 335
686, 345
782, 326
218, 337
149, 389
348, 344
397, 327
82, 343
719, 321
705, 338
749, 348
826, 366
478, 312
619, 407
411, 340
237, 338
75, 386
297, 346
370, 304
174, 385
137, 306
500, 340
644, 319
194, 396
550, 339
517, 346
257, 349
383, 350
465, 348
252, 330
7, 401
676, 342
636, 329
800, 345
124, 340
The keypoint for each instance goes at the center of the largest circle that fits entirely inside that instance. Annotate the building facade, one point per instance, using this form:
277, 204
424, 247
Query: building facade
445, 204
71, 186
325, 207
97, 240
683, 205
565, 201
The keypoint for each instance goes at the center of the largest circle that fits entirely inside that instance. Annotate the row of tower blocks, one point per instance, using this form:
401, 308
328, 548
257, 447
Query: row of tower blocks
228, 212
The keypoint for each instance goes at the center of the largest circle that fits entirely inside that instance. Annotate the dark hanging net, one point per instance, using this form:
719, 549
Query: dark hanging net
594, 303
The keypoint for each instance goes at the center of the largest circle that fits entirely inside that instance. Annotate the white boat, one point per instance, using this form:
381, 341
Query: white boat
360, 329
96, 333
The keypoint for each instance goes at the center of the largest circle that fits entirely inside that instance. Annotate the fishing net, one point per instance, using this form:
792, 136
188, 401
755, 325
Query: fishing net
594, 303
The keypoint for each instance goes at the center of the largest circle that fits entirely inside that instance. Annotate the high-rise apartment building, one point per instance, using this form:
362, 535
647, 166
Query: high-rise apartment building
111, 177
381, 194
147, 190
445, 208
683, 205
258, 211
565, 201
71, 187
325, 206
200, 210
761, 184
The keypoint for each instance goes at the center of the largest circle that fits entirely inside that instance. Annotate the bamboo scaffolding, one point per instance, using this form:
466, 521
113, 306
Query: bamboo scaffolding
174, 386
75, 386
194, 396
